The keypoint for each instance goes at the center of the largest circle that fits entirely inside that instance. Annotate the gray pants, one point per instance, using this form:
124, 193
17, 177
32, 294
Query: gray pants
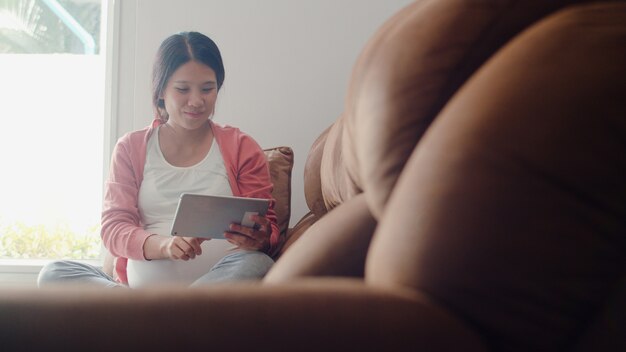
242, 265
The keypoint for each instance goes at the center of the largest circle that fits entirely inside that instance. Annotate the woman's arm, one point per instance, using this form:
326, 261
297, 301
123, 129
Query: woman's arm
122, 231
253, 180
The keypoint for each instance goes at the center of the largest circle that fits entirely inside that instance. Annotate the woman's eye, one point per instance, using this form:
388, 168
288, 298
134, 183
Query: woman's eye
182, 90
207, 90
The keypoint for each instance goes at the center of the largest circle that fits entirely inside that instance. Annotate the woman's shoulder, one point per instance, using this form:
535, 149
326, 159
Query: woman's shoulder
136, 137
132, 144
226, 134
230, 133
226, 130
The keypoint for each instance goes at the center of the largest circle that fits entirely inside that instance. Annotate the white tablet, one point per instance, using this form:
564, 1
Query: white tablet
207, 216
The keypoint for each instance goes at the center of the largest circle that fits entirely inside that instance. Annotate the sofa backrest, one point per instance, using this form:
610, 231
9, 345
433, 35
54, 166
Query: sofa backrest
404, 76
510, 212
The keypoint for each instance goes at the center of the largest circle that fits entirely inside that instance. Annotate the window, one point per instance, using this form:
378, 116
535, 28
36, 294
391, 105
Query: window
52, 65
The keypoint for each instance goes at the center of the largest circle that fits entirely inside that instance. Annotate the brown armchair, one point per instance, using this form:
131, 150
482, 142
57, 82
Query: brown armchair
472, 197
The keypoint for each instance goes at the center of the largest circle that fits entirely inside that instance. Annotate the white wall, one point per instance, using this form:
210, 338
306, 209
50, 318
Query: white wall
287, 63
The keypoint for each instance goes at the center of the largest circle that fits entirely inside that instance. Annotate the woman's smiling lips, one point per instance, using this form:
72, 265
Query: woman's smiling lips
194, 114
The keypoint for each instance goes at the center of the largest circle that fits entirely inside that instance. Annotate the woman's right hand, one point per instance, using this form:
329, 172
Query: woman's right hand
172, 247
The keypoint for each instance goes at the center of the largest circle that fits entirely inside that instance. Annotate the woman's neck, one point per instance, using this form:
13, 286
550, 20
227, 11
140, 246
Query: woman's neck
180, 135
182, 147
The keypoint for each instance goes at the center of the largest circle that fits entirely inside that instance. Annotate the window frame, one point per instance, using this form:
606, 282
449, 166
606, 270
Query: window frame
25, 271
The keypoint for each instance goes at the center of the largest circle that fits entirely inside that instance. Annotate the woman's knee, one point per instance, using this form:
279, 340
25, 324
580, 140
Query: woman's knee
257, 263
53, 272
248, 264
241, 265
67, 271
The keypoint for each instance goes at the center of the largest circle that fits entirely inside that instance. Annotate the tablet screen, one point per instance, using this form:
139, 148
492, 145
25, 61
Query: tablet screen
209, 216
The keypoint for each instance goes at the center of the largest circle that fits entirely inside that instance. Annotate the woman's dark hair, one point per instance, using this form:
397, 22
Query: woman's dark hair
177, 50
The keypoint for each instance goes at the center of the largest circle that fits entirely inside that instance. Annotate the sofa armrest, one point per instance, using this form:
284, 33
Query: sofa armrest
294, 233
311, 315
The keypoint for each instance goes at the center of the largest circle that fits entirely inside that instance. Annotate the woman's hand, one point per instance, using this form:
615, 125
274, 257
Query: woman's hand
255, 238
172, 247
183, 248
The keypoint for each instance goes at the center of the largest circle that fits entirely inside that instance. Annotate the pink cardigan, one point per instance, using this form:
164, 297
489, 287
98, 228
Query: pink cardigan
122, 228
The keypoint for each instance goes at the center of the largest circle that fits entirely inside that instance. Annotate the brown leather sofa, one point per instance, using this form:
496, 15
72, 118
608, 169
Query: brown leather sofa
472, 197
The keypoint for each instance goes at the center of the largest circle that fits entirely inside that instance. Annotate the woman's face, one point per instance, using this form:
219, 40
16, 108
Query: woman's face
190, 95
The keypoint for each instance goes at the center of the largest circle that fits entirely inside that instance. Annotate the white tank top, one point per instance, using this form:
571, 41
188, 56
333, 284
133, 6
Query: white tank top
158, 197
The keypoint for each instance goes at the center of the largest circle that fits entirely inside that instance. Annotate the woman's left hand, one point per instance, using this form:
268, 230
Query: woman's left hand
255, 238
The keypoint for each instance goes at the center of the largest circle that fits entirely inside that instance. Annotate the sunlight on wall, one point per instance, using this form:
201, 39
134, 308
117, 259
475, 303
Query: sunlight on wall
51, 140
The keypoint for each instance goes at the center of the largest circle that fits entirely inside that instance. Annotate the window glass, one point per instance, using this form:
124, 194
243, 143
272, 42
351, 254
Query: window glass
51, 143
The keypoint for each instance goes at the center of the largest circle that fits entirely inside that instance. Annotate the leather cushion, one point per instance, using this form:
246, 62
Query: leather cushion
312, 176
406, 73
337, 185
280, 160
